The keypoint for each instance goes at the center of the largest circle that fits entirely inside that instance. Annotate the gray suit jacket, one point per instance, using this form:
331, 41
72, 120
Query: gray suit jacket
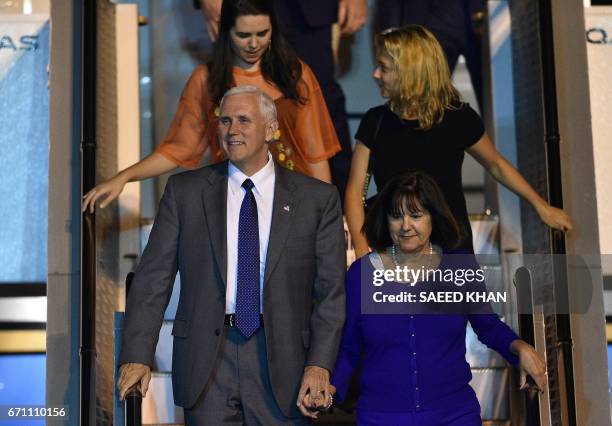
306, 262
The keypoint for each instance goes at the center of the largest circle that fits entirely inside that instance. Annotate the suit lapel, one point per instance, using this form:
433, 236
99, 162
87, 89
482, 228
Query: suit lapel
214, 200
283, 209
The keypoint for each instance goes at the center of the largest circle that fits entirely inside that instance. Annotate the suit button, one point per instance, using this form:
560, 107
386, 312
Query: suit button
217, 332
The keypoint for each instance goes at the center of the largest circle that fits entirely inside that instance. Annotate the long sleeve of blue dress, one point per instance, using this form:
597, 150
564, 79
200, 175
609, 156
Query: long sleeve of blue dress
351, 345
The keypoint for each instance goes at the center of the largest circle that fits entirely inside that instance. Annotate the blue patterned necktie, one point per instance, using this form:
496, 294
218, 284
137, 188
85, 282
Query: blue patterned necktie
247, 291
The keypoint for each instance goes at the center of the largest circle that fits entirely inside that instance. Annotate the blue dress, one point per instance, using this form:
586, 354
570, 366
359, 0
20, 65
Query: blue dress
414, 367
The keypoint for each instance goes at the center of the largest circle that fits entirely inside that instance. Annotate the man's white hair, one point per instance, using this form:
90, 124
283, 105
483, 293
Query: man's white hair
267, 108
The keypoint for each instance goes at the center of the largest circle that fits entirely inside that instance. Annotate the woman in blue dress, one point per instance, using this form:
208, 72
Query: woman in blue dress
408, 330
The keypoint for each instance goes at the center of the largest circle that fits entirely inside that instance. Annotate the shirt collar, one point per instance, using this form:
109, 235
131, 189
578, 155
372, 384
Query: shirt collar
236, 177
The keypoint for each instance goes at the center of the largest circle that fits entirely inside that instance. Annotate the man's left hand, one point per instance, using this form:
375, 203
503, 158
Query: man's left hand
212, 13
352, 15
316, 391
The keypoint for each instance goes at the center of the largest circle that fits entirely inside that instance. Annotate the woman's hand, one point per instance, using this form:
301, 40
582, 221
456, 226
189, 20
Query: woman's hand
110, 190
486, 154
555, 218
530, 363
150, 166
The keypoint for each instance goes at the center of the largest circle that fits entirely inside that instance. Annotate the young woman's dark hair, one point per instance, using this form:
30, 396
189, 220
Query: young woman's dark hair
279, 65
415, 190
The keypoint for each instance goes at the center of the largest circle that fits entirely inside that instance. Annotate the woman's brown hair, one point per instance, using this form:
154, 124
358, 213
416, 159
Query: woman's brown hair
279, 65
416, 191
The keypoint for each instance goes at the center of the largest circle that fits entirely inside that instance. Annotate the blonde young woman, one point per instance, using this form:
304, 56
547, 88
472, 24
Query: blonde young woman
249, 51
425, 126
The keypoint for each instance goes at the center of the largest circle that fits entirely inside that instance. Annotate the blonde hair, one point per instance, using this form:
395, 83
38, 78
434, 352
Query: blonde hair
425, 88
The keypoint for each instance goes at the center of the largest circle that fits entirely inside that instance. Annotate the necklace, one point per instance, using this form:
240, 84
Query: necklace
396, 262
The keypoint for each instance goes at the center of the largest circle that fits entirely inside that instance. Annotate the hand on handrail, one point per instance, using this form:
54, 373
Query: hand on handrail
105, 192
133, 406
133, 376
531, 364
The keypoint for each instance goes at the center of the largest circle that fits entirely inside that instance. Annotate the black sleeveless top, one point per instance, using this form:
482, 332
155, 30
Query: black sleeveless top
400, 146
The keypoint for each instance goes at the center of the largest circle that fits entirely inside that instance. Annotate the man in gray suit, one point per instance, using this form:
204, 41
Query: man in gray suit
261, 254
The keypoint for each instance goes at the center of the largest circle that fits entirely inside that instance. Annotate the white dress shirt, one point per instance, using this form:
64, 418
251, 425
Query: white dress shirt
264, 196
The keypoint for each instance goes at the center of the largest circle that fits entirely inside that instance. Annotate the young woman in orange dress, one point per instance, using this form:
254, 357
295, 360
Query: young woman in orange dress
248, 51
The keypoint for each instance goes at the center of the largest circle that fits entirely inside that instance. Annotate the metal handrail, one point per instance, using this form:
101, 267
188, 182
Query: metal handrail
555, 189
523, 284
133, 407
88, 34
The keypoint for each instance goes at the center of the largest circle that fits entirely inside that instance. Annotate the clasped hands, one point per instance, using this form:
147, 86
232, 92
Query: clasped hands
316, 392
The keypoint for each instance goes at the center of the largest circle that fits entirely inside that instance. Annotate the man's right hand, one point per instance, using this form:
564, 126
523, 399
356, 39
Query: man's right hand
131, 374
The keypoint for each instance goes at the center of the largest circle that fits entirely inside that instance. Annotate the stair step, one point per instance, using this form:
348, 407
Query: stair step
485, 230
494, 279
491, 387
170, 312
478, 355
145, 230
